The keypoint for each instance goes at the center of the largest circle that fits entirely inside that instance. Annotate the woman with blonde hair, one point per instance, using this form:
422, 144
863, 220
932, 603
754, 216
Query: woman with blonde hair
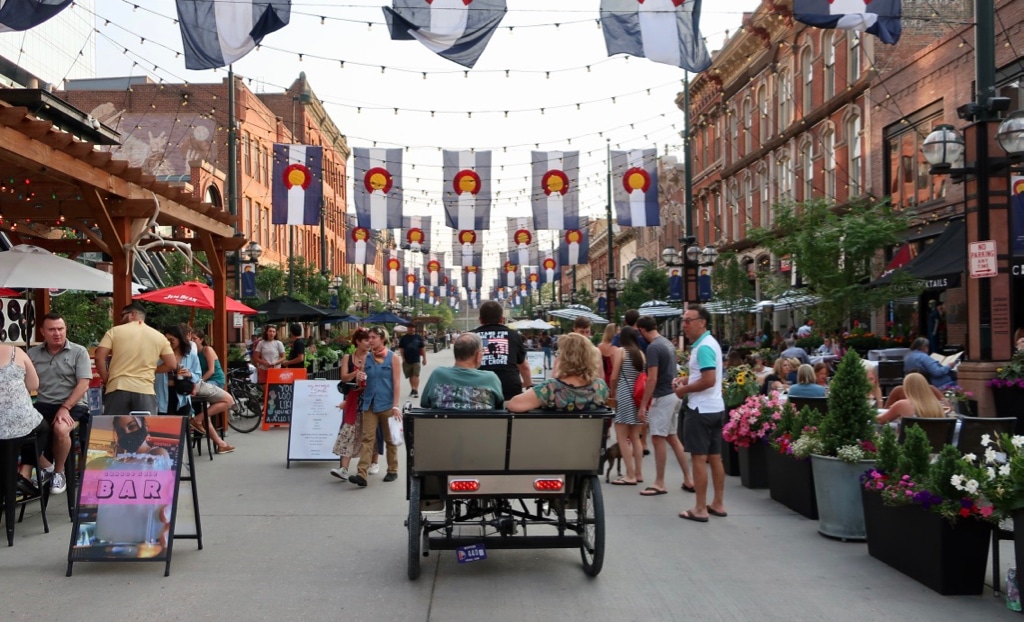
919, 401
776, 381
608, 351
805, 383
577, 385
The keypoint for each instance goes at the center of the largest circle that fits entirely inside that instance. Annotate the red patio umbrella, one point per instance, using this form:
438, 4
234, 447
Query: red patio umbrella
191, 294
9, 293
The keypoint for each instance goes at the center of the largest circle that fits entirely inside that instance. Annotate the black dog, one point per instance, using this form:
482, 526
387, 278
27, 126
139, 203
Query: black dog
613, 454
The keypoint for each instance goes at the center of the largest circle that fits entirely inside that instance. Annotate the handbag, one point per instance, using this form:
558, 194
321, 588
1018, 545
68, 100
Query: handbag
183, 386
639, 388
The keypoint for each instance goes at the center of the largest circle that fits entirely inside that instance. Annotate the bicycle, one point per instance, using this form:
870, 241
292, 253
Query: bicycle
247, 412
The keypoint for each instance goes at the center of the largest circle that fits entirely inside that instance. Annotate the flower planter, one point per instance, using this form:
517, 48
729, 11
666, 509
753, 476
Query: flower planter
948, 558
791, 482
753, 465
837, 488
1006, 400
730, 459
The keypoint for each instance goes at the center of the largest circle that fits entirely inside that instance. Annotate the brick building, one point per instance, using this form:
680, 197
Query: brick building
178, 132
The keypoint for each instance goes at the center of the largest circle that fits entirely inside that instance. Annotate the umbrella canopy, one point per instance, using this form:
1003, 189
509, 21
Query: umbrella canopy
531, 325
192, 294
385, 317
33, 267
659, 308
725, 307
288, 308
791, 299
9, 293
574, 311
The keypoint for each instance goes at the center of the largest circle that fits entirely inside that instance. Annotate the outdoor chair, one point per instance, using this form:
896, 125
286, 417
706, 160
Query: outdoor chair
939, 430
818, 403
9, 450
890, 374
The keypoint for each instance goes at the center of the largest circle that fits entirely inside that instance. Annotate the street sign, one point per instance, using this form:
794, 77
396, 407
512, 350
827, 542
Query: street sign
983, 259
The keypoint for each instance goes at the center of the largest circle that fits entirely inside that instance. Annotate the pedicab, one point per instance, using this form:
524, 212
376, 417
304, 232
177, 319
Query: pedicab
486, 480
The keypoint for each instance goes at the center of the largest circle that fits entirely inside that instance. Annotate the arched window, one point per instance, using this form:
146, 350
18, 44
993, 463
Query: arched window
828, 54
785, 91
854, 142
732, 136
807, 170
748, 200
213, 196
748, 126
807, 66
762, 114
853, 58
785, 176
828, 154
765, 194
732, 204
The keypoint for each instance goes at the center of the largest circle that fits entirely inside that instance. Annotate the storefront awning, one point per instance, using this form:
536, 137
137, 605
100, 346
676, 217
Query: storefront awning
941, 264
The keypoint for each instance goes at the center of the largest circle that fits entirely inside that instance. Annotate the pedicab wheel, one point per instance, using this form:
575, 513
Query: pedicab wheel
415, 526
590, 514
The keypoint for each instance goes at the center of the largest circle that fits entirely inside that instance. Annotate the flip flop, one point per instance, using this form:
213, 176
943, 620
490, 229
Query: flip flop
651, 491
689, 488
715, 512
697, 519
622, 482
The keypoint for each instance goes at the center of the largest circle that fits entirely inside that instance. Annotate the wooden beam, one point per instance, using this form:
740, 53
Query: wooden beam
216, 258
114, 236
91, 236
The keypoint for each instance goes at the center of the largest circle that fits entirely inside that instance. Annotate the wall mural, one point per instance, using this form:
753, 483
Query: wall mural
160, 144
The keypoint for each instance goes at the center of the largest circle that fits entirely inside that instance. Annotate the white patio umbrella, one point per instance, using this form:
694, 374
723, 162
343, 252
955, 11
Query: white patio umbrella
33, 267
574, 311
659, 308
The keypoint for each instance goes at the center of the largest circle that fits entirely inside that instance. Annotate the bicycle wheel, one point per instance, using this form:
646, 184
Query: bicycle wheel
246, 413
590, 515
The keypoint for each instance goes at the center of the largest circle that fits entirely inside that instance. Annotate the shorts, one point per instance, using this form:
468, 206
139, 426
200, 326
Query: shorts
411, 370
662, 415
702, 432
211, 393
125, 402
49, 411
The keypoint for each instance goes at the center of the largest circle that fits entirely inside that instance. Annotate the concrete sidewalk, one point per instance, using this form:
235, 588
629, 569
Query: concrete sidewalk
290, 544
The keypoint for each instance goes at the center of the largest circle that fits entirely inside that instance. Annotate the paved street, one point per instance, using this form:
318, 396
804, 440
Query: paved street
291, 544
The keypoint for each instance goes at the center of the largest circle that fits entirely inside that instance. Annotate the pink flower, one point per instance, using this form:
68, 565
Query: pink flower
986, 511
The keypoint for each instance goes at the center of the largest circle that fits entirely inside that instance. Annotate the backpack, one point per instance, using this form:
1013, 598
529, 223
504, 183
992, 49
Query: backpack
639, 388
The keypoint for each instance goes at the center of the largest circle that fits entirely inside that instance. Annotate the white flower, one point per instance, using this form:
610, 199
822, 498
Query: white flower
991, 473
986, 440
957, 481
1018, 441
971, 486
1004, 470
990, 455
970, 457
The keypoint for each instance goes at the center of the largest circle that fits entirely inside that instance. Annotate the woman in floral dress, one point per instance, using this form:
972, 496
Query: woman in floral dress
578, 385
351, 432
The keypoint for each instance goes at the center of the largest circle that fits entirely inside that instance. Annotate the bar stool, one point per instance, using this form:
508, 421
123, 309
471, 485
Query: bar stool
197, 438
9, 450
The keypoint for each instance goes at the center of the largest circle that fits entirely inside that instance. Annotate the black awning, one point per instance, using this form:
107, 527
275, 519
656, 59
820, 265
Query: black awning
942, 263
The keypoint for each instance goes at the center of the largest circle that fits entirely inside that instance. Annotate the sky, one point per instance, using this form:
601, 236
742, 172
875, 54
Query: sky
547, 67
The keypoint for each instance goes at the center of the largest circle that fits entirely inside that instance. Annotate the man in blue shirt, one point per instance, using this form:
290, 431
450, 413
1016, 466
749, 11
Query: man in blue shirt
464, 386
938, 375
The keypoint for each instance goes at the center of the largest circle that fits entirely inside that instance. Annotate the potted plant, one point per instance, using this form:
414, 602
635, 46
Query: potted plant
237, 356
962, 400
845, 451
749, 428
739, 383
790, 478
1008, 389
1000, 480
925, 518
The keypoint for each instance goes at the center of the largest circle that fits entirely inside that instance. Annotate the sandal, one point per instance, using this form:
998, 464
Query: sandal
225, 449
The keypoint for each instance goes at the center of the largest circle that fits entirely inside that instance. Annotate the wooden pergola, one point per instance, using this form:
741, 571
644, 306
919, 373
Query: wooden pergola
51, 178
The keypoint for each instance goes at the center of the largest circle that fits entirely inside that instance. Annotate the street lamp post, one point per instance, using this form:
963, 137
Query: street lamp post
610, 287
689, 258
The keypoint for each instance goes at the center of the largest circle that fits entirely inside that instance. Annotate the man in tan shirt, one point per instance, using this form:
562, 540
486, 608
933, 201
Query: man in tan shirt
133, 348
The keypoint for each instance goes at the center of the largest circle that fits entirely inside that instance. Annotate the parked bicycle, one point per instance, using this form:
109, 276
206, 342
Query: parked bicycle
247, 412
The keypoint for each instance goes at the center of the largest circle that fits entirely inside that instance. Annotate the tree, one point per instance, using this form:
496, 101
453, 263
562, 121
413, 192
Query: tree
271, 282
584, 297
87, 317
732, 289
651, 284
838, 252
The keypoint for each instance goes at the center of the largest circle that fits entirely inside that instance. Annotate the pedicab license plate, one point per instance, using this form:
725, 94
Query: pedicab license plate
470, 553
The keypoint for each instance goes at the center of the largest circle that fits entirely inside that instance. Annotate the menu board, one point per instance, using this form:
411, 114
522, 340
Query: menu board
535, 359
278, 396
316, 419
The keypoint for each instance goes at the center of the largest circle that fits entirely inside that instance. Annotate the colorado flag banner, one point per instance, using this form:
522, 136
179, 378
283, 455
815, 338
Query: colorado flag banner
454, 29
664, 31
878, 17
508, 270
411, 279
556, 199
467, 248
435, 272
635, 187
217, 33
522, 242
298, 184
26, 14
573, 249
532, 277
360, 246
467, 189
471, 279
550, 271
393, 269
378, 187
416, 233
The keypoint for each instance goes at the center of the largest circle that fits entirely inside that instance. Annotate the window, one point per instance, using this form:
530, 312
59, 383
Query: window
853, 60
905, 169
828, 153
856, 154
266, 164
748, 200
828, 53
723, 218
254, 227
762, 114
732, 204
807, 170
732, 136
785, 178
762, 185
259, 159
716, 139
785, 99
748, 126
807, 65
246, 154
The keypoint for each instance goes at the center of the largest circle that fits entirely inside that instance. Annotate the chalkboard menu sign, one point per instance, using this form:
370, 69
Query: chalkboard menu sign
278, 396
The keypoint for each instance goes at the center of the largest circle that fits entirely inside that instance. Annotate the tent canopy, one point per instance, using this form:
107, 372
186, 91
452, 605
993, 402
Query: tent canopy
942, 263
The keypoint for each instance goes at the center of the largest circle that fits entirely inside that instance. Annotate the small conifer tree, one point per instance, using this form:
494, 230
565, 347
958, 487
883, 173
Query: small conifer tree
850, 415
